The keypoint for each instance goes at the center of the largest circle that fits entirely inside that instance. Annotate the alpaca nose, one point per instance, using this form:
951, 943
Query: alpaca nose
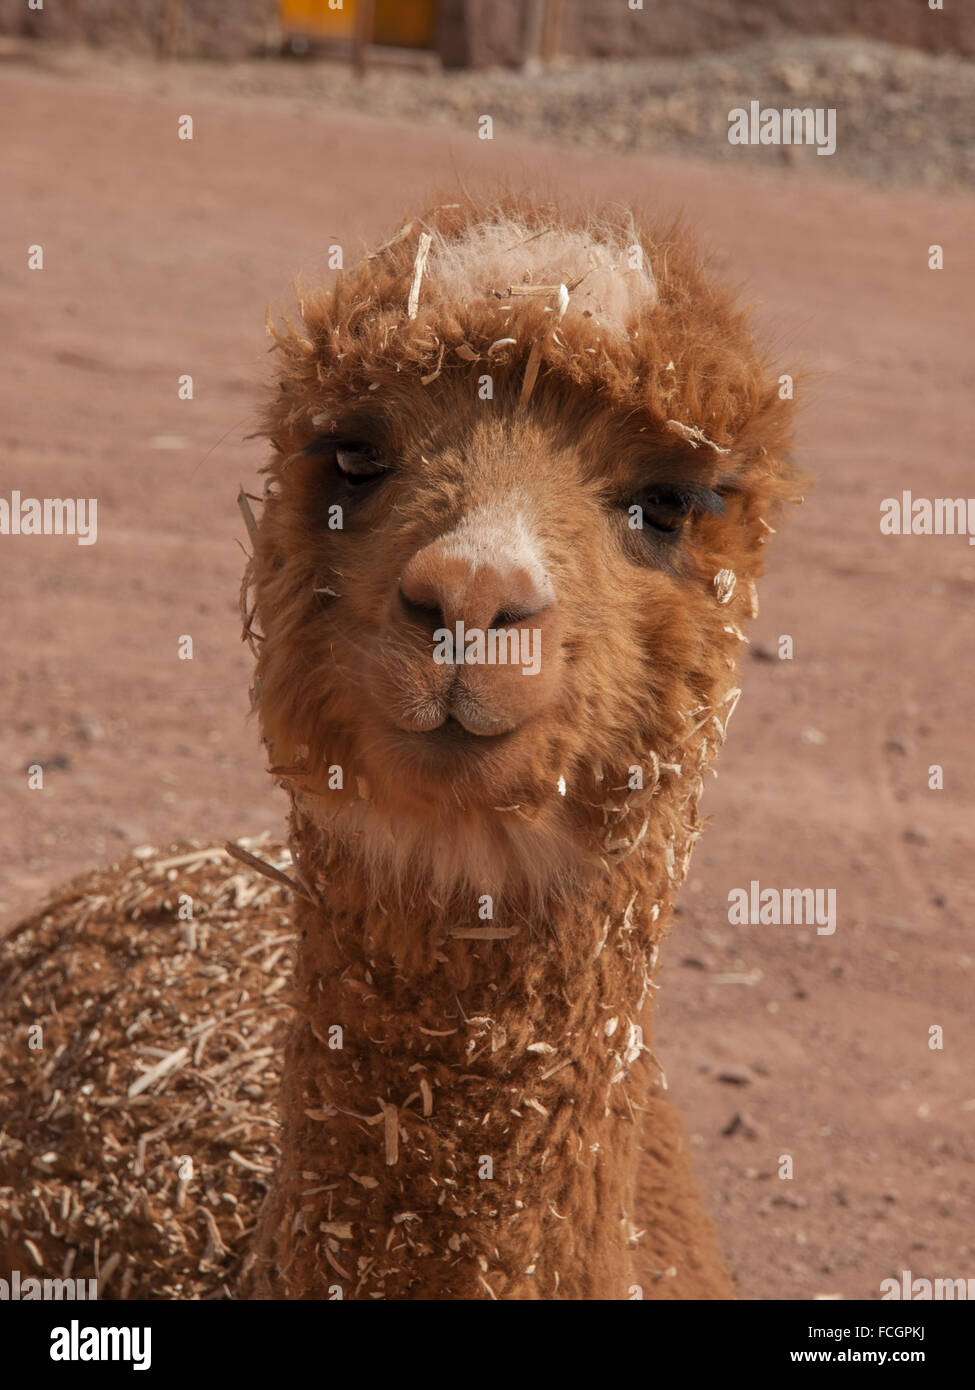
486, 577
459, 580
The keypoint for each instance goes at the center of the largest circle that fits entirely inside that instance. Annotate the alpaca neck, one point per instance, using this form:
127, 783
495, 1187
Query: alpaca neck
462, 1111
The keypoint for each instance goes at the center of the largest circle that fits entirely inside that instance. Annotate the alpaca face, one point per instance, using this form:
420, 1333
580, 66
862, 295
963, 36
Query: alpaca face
481, 613
515, 602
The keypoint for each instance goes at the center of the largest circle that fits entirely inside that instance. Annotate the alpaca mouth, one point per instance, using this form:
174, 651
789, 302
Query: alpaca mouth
451, 751
454, 733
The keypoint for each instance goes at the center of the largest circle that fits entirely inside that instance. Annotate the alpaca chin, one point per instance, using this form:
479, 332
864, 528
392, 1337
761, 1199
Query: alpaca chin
500, 852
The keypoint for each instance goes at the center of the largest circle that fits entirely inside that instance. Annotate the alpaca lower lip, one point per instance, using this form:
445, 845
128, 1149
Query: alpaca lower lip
450, 750
453, 731
450, 744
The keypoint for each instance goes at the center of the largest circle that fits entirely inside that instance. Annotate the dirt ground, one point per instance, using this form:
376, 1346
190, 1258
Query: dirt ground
159, 258
902, 116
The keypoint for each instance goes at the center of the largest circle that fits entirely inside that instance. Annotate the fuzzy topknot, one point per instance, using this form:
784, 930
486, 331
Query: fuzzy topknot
606, 276
644, 326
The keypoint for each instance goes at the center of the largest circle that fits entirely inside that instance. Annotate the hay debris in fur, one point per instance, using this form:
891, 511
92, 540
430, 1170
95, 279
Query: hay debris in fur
724, 585
261, 867
695, 436
538, 347
422, 251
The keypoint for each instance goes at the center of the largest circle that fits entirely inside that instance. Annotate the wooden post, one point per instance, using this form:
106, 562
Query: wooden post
172, 15
552, 34
532, 32
364, 23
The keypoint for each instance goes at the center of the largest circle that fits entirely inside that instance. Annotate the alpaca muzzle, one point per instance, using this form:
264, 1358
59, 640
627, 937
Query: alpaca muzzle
477, 606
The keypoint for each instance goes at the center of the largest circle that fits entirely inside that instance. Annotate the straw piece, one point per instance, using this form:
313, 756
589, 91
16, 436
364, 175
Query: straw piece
426, 380
391, 1119
215, 1246
547, 290
246, 512
422, 251
569, 1062
180, 861
364, 1180
531, 370
695, 436
725, 582
172, 1062
339, 1269
268, 870
538, 347
251, 1167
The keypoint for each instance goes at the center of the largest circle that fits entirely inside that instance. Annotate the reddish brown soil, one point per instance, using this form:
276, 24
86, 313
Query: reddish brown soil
159, 258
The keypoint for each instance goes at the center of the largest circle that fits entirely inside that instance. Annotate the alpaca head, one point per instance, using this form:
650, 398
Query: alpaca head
523, 471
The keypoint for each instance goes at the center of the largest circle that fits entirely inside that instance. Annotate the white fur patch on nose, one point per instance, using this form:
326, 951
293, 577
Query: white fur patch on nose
615, 279
494, 534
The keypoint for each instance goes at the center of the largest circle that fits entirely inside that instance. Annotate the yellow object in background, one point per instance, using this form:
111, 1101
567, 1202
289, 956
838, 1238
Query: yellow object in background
400, 23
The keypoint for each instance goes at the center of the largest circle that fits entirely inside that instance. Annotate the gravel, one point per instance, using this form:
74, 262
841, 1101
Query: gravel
902, 116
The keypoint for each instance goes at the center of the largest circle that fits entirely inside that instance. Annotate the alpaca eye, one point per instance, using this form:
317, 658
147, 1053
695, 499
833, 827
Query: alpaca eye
359, 463
665, 509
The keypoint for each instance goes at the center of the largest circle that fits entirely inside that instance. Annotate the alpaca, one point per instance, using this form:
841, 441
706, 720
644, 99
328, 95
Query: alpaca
507, 433
524, 468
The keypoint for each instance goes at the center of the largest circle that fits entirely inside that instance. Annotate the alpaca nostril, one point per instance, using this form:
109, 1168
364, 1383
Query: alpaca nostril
423, 609
512, 616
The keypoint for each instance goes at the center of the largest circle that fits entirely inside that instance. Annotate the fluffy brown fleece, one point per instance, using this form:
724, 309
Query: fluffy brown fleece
483, 916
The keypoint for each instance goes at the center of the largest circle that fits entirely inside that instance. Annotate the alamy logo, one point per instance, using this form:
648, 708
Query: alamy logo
497, 646
77, 1343
920, 1290
908, 515
790, 126
755, 906
50, 516
33, 1288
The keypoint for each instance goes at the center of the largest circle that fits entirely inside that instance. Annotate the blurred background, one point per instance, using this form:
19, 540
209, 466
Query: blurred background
316, 127
659, 77
479, 33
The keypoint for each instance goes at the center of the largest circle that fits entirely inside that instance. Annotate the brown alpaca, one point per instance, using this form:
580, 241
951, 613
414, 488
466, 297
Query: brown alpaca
485, 858
556, 427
